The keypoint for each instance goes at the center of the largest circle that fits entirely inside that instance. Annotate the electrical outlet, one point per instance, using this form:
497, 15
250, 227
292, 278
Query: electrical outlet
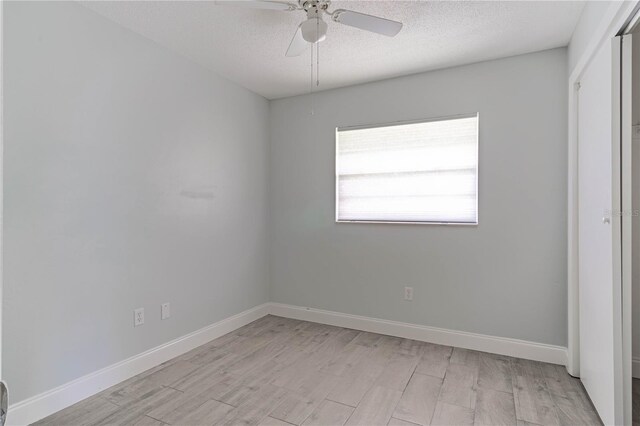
165, 311
408, 293
138, 317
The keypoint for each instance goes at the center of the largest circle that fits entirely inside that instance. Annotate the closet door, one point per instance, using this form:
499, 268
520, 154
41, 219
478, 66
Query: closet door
599, 233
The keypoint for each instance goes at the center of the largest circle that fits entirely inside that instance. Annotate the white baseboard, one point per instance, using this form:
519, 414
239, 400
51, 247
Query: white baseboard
44, 404
635, 367
479, 342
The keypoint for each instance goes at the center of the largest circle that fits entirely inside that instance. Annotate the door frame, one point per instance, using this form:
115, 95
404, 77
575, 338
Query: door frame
617, 16
626, 143
616, 19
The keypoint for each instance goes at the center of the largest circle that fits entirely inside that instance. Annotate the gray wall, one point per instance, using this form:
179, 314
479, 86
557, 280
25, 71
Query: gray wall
504, 277
132, 177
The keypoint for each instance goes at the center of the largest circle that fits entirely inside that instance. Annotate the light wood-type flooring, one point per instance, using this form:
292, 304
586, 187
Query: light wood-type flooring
279, 371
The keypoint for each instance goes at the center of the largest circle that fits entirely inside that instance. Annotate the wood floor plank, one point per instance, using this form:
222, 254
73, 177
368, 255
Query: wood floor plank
295, 376
494, 372
254, 327
174, 410
333, 346
525, 423
435, 360
459, 387
200, 380
159, 367
270, 421
397, 422
558, 381
347, 335
419, 399
411, 347
317, 385
388, 346
350, 390
448, 414
571, 411
376, 407
494, 408
319, 337
525, 367
256, 358
466, 357
208, 413
397, 372
352, 386
87, 411
134, 411
573, 406
329, 413
296, 407
264, 373
367, 339
291, 356
201, 354
172, 373
247, 345
350, 356
236, 390
148, 421
271, 323
533, 402
129, 390
254, 409
208, 356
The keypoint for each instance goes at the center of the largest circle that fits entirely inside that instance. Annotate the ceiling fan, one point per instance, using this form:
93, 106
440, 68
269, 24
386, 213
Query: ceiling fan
314, 29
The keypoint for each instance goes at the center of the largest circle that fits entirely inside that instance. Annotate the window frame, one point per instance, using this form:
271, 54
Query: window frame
399, 123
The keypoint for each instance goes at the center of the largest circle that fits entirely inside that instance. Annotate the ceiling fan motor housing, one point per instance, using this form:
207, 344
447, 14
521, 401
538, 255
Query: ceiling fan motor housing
318, 5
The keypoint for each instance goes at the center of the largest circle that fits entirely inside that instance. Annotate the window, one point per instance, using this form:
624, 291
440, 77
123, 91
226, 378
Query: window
418, 172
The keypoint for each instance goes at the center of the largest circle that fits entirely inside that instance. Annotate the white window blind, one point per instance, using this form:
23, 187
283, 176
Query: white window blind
412, 172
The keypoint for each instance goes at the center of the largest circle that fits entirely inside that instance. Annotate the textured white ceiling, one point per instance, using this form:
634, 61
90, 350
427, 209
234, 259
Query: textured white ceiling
248, 46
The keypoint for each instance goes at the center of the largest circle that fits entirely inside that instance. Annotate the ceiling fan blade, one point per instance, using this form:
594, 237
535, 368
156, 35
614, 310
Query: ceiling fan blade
298, 44
258, 4
367, 22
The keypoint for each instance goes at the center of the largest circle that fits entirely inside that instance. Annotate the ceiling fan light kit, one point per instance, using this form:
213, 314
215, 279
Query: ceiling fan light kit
314, 30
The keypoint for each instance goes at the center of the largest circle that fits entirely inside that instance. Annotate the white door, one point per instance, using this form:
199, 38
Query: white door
599, 233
